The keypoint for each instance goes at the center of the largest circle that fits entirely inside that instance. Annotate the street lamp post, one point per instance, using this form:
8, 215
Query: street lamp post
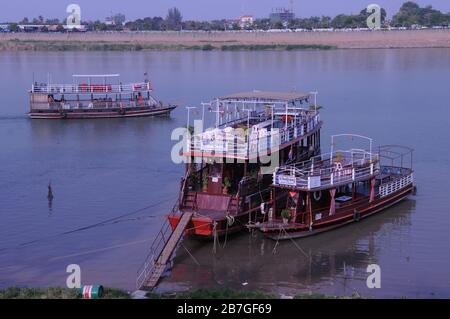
189, 108
315, 100
203, 111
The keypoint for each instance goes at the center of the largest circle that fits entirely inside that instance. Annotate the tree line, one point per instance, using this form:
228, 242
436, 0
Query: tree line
409, 14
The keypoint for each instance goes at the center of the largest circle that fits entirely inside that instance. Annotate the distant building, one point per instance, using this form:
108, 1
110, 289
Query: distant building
282, 15
32, 27
117, 19
78, 28
4, 28
109, 21
245, 21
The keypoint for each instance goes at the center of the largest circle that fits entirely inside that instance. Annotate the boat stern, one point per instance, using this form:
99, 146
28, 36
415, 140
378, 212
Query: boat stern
198, 226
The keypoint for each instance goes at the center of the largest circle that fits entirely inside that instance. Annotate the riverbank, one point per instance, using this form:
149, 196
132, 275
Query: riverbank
56, 293
136, 41
111, 293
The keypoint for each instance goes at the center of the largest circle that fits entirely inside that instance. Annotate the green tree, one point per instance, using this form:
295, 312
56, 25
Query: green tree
119, 19
278, 25
52, 21
235, 26
174, 19
13, 27
411, 13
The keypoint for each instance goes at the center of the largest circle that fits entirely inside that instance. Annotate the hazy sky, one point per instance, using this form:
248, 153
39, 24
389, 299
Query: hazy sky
12, 10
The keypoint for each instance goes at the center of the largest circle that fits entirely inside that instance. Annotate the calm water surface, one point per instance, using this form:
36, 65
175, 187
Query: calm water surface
113, 180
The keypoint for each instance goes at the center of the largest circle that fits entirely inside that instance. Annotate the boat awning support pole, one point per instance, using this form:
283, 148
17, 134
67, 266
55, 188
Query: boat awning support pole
332, 203
309, 208
372, 190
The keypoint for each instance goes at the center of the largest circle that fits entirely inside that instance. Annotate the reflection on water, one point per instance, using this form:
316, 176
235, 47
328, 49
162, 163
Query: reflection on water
113, 180
334, 262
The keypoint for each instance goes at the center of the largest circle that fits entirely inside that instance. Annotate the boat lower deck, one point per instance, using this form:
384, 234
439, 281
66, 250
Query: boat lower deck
278, 230
100, 113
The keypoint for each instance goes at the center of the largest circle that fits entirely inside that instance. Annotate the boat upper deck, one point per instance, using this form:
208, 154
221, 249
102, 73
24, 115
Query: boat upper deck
328, 170
91, 88
255, 123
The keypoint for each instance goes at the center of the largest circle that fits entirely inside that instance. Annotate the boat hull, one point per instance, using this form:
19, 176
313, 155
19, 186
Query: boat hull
203, 227
285, 232
100, 114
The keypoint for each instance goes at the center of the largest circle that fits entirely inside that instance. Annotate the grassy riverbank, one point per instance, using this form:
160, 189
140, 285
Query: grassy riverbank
35, 45
110, 293
226, 41
56, 293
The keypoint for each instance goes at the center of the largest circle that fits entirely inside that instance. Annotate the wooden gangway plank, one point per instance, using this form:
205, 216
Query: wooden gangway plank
154, 268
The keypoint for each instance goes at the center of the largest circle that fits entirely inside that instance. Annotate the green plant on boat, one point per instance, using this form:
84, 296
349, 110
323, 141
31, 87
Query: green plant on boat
205, 182
286, 215
226, 185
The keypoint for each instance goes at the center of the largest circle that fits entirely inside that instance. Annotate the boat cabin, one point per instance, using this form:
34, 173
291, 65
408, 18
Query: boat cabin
332, 189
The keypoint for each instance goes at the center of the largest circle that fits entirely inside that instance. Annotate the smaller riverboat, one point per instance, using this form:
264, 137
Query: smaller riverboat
335, 189
87, 98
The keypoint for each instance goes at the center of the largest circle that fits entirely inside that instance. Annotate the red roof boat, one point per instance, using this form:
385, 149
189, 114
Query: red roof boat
335, 189
86, 99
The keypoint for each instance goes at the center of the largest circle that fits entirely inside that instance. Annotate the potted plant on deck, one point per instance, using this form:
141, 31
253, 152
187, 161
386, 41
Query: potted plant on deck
205, 183
226, 185
285, 214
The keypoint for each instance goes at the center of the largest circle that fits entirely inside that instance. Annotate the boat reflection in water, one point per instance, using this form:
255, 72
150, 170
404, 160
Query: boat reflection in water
333, 263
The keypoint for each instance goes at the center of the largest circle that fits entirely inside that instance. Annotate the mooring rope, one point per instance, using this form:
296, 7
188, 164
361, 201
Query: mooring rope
98, 224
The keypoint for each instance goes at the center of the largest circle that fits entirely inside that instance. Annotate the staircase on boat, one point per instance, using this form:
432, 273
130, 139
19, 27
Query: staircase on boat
190, 200
161, 252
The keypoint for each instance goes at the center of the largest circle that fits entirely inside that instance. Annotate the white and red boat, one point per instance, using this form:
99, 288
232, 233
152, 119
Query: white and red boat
225, 183
335, 189
94, 96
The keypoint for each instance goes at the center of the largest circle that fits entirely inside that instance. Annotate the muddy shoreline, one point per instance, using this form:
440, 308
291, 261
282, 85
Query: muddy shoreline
136, 41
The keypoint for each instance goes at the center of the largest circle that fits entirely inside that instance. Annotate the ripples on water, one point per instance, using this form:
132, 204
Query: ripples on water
105, 172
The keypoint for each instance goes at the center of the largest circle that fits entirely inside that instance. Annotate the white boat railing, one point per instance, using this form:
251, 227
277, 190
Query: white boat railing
91, 88
324, 171
394, 186
236, 142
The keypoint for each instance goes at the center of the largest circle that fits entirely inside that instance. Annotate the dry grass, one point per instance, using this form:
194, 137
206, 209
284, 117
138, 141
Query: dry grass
225, 40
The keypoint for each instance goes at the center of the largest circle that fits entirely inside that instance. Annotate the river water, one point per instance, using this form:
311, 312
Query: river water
113, 180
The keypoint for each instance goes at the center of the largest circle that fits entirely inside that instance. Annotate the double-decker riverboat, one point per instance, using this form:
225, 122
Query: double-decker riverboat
335, 189
229, 167
94, 96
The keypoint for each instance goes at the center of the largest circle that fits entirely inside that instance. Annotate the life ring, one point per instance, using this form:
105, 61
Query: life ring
317, 195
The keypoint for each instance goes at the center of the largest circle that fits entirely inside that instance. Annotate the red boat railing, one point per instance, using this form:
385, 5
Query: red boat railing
91, 88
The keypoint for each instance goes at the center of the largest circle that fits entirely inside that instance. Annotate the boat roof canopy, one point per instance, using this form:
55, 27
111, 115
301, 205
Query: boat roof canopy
266, 96
95, 75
